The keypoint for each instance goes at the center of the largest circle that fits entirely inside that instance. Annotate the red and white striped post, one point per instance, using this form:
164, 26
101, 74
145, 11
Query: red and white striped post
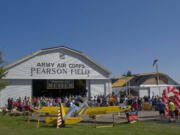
165, 101
59, 118
177, 101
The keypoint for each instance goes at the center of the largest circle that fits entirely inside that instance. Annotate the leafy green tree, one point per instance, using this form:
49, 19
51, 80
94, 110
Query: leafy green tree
2, 73
129, 73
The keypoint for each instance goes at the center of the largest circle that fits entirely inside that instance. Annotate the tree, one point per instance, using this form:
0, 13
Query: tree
129, 73
2, 73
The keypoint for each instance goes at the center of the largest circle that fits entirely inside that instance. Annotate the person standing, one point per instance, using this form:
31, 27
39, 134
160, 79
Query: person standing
161, 107
176, 112
136, 106
171, 111
140, 103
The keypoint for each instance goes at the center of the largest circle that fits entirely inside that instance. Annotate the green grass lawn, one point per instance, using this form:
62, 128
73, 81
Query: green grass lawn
16, 125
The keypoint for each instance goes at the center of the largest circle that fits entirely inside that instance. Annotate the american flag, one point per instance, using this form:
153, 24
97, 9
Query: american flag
154, 62
59, 118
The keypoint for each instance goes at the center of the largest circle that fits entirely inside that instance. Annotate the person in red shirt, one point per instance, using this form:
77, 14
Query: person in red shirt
34, 101
136, 105
56, 100
115, 99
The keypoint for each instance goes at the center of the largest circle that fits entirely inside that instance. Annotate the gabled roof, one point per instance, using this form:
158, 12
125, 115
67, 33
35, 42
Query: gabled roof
121, 81
137, 79
55, 48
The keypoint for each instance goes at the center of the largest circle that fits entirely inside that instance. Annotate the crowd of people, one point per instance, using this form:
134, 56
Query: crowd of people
173, 111
111, 100
26, 103
37, 102
137, 104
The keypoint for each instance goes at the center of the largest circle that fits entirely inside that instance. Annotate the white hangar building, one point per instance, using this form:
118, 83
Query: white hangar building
55, 72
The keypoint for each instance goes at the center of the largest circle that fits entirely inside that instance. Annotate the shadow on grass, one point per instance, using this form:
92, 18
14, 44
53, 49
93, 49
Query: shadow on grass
177, 122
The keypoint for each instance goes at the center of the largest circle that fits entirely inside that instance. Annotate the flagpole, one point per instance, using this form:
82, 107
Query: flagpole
157, 74
157, 71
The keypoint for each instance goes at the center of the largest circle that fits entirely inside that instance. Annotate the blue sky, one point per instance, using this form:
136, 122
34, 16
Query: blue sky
121, 35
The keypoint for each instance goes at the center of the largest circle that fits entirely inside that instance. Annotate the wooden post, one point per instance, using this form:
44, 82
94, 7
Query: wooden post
57, 123
119, 115
28, 118
95, 120
113, 120
38, 120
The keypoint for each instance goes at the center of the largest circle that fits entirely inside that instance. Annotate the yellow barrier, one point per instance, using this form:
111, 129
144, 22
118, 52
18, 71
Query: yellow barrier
147, 106
103, 115
105, 126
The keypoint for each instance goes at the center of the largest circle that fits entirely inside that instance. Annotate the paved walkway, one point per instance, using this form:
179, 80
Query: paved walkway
148, 115
142, 115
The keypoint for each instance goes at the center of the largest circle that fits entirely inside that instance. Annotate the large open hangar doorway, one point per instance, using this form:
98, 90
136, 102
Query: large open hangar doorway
58, 88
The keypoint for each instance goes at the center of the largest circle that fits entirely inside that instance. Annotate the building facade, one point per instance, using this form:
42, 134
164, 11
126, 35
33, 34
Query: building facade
55, 72
148, 84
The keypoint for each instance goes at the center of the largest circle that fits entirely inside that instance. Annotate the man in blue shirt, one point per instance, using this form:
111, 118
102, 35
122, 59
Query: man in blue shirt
161, 107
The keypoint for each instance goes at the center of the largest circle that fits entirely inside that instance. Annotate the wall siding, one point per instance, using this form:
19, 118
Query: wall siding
15, 89
108, 87
156, 89
100, 87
